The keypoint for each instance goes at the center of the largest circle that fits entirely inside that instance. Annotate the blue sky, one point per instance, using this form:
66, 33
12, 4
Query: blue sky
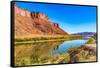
71, 18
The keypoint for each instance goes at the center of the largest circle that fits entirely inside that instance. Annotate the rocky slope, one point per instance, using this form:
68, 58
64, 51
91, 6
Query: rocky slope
34, 23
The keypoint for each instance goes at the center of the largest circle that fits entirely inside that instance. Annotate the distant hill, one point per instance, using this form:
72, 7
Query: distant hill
85, 33
34, 23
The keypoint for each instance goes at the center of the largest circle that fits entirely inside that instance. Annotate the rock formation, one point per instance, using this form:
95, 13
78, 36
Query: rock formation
34, 23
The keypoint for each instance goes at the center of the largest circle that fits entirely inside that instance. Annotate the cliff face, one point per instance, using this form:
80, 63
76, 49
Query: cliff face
31, 23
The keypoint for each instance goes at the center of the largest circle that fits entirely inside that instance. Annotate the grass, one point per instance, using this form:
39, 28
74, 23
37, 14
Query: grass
44, 39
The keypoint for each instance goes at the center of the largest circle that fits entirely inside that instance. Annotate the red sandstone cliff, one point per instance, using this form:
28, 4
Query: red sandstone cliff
28, 23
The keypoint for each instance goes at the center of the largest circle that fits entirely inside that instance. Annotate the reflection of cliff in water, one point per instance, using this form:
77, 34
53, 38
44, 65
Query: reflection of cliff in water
34, 52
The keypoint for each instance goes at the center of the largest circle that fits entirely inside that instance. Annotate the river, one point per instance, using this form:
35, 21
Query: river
28, 54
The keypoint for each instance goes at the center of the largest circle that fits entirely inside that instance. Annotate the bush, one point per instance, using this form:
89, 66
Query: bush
91, 41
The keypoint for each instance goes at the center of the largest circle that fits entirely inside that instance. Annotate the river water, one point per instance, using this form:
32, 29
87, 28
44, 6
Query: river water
29, 54
63, 48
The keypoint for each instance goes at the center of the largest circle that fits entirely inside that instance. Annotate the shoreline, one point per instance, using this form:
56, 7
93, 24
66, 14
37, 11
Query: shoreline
41, 41
45, 39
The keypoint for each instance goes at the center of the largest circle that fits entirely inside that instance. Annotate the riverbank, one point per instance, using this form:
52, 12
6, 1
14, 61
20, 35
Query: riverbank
39, 41
74, 55
28, 40
34, 53
85, 53
91, 45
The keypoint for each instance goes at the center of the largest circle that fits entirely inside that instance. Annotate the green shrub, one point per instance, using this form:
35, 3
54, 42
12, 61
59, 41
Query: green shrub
91, 41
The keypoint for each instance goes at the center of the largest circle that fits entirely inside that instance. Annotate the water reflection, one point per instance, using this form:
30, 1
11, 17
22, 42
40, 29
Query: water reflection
63, 48
30, 54
44, 52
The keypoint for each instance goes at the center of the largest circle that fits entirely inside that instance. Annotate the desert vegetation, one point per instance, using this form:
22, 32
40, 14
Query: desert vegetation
45, 38
73, 55
82, 54
30, 53
91, 41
